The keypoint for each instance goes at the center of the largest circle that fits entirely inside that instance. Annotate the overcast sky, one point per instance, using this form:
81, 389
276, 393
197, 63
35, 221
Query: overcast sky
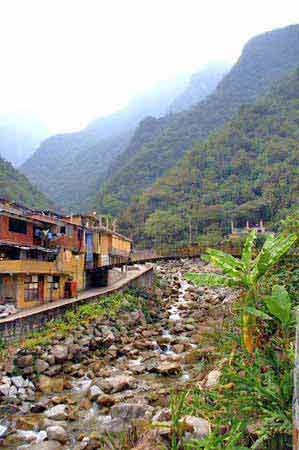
73, 60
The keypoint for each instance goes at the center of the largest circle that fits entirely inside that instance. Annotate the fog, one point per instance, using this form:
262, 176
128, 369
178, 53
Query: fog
72, 61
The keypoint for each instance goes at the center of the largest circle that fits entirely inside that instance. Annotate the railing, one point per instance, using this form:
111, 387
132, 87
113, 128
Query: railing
27, 266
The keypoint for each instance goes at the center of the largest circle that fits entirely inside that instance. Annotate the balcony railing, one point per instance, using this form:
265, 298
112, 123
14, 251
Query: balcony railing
28, 266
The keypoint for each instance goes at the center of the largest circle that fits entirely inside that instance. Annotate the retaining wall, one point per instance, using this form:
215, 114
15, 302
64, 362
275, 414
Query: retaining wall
26, 322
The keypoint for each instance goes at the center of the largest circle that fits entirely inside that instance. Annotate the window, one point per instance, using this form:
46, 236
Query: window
62, 230
69, 230
80, 234
31, 288
17, 226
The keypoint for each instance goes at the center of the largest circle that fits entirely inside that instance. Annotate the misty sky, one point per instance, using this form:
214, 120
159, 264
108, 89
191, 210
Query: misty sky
73, 60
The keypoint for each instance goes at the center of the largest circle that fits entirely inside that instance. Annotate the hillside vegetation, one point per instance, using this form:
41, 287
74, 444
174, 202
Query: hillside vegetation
247, 170
16, 187
70, 167
158, 144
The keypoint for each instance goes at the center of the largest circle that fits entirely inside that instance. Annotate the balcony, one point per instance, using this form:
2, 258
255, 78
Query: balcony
28, 266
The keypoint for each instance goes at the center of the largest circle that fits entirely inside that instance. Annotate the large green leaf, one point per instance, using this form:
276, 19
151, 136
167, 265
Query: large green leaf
257, 313
230, 265
208, 279
248, 247
279, 304
273, 249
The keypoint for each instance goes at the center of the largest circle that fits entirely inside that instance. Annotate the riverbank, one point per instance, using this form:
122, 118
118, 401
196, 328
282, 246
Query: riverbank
117, 369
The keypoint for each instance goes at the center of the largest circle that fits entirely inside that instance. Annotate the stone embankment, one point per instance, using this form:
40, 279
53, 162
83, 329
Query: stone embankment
115, 373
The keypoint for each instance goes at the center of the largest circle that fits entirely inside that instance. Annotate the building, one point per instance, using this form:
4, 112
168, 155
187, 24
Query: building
259, 228
45, 256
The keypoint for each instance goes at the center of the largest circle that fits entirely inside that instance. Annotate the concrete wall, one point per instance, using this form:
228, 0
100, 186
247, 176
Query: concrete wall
15, 328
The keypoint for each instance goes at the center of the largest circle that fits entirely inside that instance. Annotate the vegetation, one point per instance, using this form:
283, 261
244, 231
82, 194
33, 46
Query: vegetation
248, 274
251, 407
128, 301
246, 171
16, 187
158, 144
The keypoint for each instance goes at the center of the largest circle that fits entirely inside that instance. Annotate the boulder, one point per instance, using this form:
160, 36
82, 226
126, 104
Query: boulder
129, 411
195, 427
60, 352
48, 385
119, 383
213, 378
41, 365
24, 361
105, 400
46, 445
57, 433
58, 412
94, 392
169, 368
19, 382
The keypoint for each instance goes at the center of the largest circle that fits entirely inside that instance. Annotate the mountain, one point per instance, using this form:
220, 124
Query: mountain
20, 134
201, 84
158, 144
15, 187
247, 170
69, 168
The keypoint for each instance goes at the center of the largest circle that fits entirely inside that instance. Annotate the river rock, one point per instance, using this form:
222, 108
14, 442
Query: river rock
3, 431
48, 385
119, 383
129, 411
4, 389
169, 368
47, 445
213, 378
195, 427
105, 400
24, 361
58, 412
41, 365
57, 433
94, 392
19, 382
60, 352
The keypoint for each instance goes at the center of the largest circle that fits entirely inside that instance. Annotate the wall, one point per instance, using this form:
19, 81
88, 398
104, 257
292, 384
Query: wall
12, 329
20, 238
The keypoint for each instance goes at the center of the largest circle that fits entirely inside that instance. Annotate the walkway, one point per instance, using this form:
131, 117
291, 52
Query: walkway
85, 295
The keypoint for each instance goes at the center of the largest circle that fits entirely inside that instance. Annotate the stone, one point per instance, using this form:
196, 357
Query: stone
213, 378
3, 431
57, 433
41, 365
119, 383
129, 411
24, 361
195, 427
105, 400
163, 415
4, 389
19, 382
169, 368
49, 385
58, 412
60, 352
47, 445
13, 392
94, 392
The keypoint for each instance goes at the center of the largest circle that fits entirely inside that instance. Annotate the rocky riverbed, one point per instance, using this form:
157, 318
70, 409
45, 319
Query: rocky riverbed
111, 374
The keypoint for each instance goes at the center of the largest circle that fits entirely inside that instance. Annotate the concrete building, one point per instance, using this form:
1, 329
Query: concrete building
45, 256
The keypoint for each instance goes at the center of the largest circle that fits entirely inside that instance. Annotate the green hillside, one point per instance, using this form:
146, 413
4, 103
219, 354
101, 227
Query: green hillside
247, 170
16, 187
158, 144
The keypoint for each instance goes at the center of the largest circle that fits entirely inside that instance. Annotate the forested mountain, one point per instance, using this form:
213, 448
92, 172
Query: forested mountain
158, 144
249, 169
16, 187
201, 84
70, 167
20, 134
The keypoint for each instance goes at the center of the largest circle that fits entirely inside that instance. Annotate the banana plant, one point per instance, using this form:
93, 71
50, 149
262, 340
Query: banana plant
247, 274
